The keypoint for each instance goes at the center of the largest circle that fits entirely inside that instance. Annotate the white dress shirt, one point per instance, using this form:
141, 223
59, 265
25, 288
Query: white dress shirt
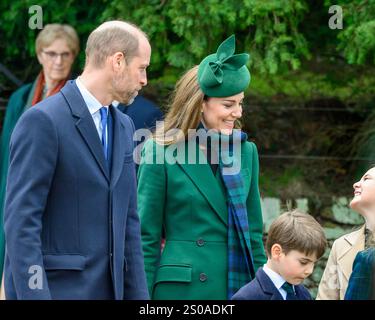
94, 108
277, 280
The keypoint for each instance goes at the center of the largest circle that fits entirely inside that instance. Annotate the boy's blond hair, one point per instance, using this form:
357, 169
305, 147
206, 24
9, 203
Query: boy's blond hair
296, 230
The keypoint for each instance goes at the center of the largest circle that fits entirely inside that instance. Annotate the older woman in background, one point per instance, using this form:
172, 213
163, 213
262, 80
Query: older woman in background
57, 46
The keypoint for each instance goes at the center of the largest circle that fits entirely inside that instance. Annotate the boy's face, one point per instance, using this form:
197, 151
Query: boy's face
295, 266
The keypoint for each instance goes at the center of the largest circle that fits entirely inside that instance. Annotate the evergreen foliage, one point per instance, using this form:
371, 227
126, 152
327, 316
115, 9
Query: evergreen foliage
295, 57
283, 37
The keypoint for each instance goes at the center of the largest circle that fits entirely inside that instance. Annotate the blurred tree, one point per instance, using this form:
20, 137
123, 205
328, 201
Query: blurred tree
284, 37
17, 45
357, 41
293, 51
183, 31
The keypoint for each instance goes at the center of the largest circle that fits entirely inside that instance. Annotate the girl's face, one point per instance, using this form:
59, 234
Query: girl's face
220, 114
364, 193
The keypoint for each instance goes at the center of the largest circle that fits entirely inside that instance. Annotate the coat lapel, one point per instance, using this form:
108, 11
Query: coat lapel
85, 124
355, 243
202, 177
300, 293
267, 285
118, 146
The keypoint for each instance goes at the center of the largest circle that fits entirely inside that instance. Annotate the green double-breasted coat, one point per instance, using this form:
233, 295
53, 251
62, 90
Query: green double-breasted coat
190, 204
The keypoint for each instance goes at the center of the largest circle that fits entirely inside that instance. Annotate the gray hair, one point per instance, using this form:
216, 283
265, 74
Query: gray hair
111, 37
54, 31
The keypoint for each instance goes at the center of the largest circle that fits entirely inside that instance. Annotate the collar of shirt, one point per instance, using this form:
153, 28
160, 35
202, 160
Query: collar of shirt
94, 107
92, 103
115, 103
276, 279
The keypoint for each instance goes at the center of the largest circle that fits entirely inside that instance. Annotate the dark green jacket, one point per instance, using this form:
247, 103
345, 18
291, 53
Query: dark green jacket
189, 202
13, 112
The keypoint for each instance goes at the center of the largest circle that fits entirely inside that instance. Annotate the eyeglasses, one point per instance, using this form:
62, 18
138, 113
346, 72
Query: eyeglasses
52, 55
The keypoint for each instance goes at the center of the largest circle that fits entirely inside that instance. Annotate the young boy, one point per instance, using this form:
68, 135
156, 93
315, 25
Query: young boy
295, 242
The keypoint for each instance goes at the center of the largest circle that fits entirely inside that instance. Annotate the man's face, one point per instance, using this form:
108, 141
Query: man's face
133, 77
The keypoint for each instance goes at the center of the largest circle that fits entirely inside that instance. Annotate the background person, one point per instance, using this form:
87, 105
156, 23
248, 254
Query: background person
212, 221
334, 282
57, 45
361, 284
143, 112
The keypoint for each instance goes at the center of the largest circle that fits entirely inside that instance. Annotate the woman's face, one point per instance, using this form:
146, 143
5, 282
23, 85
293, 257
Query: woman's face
57, 60
220, 113
364, 193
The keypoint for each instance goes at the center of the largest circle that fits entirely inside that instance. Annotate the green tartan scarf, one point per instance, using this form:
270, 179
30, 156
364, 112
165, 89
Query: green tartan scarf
240, 259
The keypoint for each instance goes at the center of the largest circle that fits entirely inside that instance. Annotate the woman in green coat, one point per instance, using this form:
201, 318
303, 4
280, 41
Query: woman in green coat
198, 183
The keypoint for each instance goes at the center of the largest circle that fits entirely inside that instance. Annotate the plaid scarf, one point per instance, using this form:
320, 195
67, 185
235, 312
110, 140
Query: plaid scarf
361, 281
240, 260
40, 84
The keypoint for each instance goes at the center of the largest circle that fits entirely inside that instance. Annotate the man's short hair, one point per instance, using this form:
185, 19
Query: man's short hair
296, 230
111, 37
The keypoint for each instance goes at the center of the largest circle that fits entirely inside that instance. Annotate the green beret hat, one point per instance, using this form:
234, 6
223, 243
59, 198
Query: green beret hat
224, 73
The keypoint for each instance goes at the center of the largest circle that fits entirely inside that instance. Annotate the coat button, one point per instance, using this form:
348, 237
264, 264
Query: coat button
203, 277
200, 242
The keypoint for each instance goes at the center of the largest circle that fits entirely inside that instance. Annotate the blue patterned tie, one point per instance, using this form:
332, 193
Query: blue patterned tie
290, 295
104, 117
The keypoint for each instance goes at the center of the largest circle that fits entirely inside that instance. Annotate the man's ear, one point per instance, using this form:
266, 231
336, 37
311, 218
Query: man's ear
276, 251
118, 60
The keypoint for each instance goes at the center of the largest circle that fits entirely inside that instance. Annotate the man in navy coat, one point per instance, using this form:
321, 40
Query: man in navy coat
143, 112
71, 224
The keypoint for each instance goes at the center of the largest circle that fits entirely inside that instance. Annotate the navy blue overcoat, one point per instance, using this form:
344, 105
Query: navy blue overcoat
67, 212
